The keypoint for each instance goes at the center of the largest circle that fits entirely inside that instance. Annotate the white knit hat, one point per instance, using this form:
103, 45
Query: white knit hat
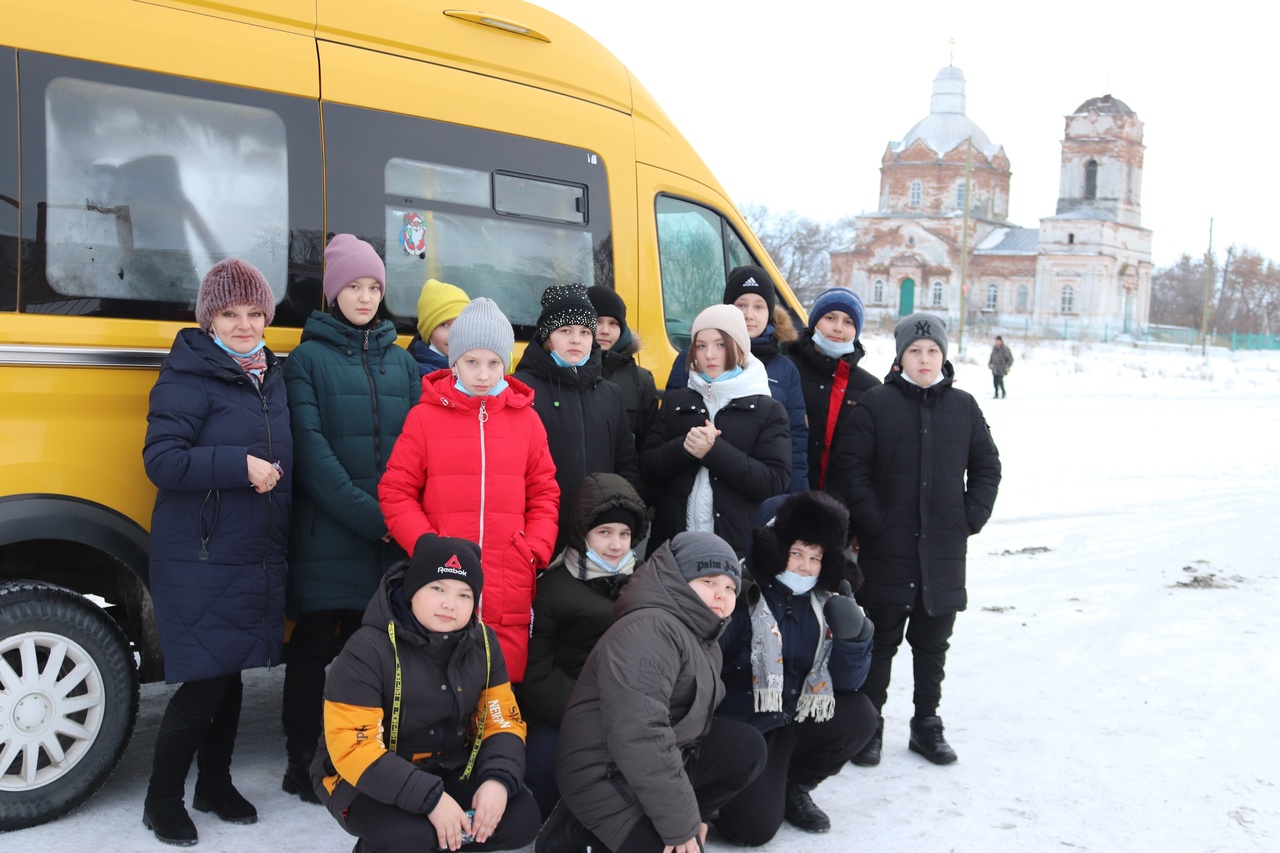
727, 319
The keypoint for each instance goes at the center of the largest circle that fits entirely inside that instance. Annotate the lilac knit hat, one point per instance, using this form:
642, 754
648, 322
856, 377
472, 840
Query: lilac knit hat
348, 258
230, 283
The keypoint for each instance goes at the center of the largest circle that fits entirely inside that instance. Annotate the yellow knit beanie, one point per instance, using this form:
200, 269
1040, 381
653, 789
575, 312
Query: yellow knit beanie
438, 303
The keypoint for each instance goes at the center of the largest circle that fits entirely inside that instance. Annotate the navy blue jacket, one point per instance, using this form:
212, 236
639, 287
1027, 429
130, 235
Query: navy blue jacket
429, 361
784, 385
217, 570
801, 630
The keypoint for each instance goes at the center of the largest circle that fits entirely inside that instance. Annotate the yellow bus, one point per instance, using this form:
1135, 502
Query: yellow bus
141, 142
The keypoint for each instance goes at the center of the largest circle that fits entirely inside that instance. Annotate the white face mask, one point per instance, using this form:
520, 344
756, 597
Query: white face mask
627, 559
798, 584
834, 349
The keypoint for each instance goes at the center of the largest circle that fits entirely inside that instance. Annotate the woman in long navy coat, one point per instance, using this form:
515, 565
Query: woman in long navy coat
219, 450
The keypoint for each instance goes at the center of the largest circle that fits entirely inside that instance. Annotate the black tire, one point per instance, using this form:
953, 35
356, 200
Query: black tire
85, 710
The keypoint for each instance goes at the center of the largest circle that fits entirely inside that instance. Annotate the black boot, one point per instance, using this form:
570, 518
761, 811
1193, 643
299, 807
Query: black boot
869, 755
564, 833
927, 740
176, 743
803, 813
297, 779
214, 791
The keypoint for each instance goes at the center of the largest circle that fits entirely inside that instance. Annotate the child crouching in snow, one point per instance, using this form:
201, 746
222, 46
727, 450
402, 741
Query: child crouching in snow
406, 765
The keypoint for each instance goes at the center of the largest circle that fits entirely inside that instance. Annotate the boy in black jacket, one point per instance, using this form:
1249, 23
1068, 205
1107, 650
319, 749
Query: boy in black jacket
919, 473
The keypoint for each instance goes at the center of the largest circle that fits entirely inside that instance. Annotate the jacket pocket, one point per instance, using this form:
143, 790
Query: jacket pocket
522, 548
619, 782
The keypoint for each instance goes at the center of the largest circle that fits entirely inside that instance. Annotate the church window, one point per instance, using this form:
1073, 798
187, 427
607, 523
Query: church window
877, 293
1091, 180
1068, 299
1024, 294
1071, 238
960, 196
937, 294
993, 296
917, 192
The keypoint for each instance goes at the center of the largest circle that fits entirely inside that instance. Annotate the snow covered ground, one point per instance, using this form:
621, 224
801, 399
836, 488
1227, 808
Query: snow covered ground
1112, 687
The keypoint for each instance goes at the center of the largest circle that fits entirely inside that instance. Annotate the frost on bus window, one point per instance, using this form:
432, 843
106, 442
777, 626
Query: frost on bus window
147, 191
436, 182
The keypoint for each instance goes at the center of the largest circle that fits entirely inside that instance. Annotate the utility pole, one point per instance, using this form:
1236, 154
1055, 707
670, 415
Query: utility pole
1208, 294
964, 241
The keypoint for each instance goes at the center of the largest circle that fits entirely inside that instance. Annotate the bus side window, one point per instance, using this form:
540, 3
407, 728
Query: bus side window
150, 180
8, 182
497, 215
697, 247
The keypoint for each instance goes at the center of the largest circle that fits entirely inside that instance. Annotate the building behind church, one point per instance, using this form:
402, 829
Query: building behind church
1085, 272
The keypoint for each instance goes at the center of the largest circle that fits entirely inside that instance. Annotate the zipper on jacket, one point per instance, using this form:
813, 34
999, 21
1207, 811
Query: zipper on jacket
266, 551
373, 396
483, 416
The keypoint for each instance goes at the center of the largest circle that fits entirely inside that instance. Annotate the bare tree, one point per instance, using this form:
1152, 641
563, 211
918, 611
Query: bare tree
1177, 293
799, 246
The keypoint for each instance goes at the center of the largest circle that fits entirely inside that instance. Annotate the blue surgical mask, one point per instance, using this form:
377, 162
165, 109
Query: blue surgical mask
595, 558
493, 392
555, 356
832, 348
798, 584
229, 351
728, 374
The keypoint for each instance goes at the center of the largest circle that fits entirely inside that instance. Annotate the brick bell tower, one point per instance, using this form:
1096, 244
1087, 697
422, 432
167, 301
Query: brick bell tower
1102, 161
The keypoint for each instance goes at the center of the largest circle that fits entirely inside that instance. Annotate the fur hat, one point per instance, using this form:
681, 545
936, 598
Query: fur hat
438, 303
838, 299
751, 279
728, 320
348, 258
481, 325
920, 325
229, 283
608, 303
815, 518
436, 557
565, 305
699, 554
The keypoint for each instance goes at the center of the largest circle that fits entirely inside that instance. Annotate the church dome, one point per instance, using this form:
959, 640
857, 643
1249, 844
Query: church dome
1106, 105
947, 126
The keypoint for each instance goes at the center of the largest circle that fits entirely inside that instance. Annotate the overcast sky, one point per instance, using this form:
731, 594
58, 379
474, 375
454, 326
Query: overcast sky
791, 104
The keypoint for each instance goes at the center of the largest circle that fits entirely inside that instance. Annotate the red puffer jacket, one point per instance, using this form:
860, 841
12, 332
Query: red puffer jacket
479, 468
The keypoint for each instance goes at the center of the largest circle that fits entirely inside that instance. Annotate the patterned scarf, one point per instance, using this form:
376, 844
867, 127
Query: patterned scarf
254, 364
818, 701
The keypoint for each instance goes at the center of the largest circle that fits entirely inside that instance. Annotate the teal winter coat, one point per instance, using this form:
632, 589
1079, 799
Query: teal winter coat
349, 390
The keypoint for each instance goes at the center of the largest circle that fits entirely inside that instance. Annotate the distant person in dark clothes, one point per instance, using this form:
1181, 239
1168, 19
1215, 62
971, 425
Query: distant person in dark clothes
827, 356
423, 740
919, 474
795, 653
219, 450
1000, 362
642, 762
439, 304
618, 350
751, 290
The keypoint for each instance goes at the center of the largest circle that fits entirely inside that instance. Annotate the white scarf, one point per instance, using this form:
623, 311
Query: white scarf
818, 699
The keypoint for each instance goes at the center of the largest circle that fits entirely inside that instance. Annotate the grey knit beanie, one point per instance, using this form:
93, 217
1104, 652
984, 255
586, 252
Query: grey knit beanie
230, 283
920, 325
699, 554
481, 325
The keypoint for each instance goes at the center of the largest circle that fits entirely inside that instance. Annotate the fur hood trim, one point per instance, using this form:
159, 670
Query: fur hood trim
784, 329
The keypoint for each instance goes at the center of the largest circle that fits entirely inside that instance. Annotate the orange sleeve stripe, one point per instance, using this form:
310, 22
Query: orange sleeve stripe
353, 734
503, 714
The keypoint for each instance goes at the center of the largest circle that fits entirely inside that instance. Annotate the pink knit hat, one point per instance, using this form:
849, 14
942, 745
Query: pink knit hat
230, 283
348, 258
729, 320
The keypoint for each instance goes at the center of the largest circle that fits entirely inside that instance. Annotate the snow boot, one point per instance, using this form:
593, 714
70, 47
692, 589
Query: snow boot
214, 791
803, 813
163, 811
927, 740
869, 755
297, 779
564, 833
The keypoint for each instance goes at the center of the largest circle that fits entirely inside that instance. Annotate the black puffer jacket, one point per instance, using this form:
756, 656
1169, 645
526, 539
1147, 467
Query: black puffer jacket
587, 427
639, 392
644, 700
817, 379
919, 472
571, 614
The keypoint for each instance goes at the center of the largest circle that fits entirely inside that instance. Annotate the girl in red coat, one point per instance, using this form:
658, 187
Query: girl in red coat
472, 462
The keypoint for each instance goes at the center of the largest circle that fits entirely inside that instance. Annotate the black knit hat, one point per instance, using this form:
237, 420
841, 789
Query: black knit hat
608, 303
436, 557
617, 515
751, 279
565, 305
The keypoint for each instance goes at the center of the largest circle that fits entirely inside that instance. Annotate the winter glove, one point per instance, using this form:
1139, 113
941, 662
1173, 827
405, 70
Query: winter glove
844, 617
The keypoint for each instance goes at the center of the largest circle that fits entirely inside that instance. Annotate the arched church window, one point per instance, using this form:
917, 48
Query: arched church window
1071, 238
1024, 296
1091, 180
917, 192
1068, 299
960, 196
877, 292
937, 294
993, 296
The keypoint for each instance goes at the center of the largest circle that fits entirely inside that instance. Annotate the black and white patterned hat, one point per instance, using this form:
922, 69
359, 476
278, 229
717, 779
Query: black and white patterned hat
565, 305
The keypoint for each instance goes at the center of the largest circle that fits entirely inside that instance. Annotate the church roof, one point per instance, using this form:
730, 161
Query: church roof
947, 126
1106, 105
1084, 211
1010, 241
